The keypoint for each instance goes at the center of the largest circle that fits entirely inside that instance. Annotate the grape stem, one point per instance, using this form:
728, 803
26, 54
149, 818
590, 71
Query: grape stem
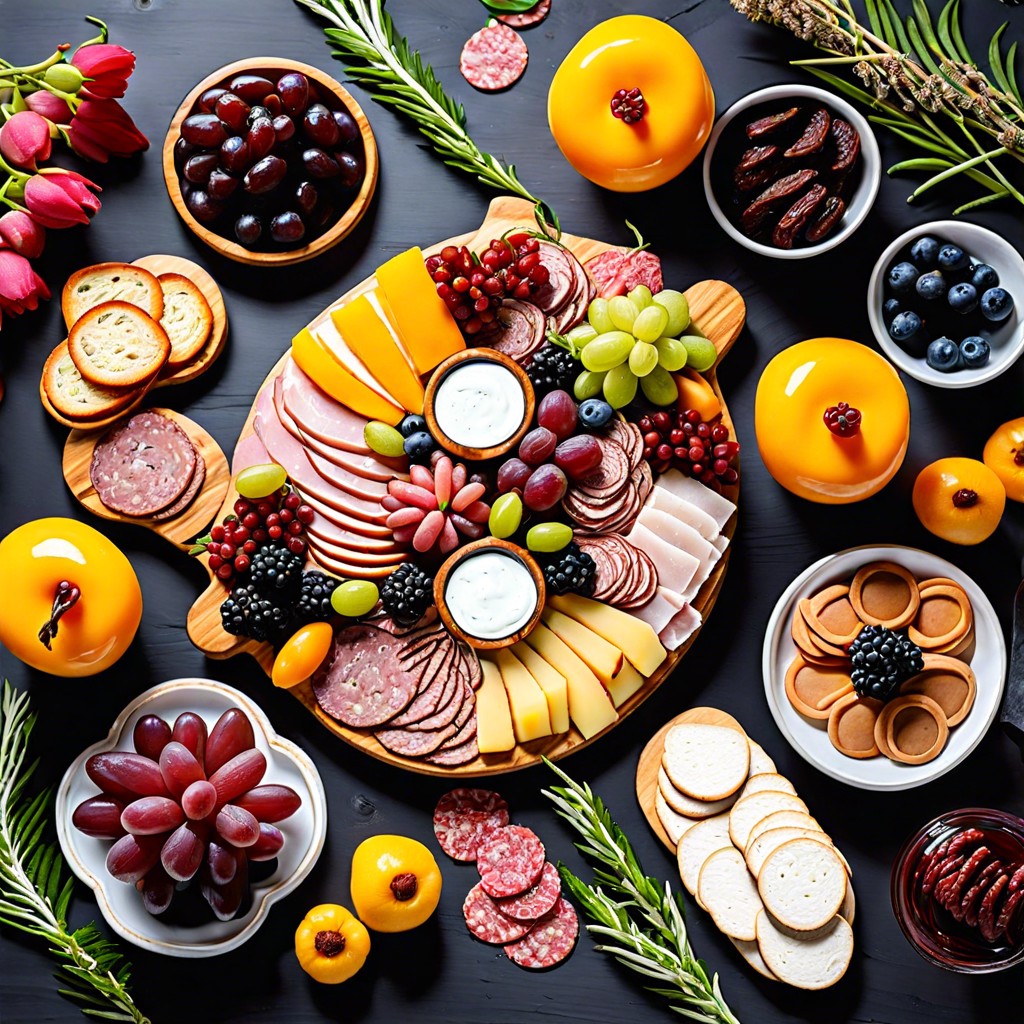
65, 598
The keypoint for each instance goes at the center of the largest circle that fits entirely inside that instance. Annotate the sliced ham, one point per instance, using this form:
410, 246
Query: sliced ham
715, 505
370, 467
685, 538
326, 515
685, 511
680, 628
250, 451
676, 569
348, 570
658, 612
721, 542
338, 535
319, 415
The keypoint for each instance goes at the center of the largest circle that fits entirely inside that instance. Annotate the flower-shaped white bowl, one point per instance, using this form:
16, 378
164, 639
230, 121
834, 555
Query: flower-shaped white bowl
1007, 339
810, 739
863, 197
304, 831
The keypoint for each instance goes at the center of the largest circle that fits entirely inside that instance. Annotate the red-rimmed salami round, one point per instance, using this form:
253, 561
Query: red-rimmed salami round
493, 58
510, 861
465, 818
616, 272
189, 494
536, 901
549, 941
487, 922
525, 19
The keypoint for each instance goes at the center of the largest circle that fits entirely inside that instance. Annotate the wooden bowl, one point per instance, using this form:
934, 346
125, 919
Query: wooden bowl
476, 548
487, 355
272, 68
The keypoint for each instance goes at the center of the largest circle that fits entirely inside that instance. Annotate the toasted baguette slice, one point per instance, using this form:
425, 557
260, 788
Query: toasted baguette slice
697, 844
849, 907
111, 282
767, 842
750, 953
187, 319
805, 963
117, 345
802, 884
74, 397
706, 762
683, 804
767, 780
760, 762
749, 810
728, 893
676, 825
782, 819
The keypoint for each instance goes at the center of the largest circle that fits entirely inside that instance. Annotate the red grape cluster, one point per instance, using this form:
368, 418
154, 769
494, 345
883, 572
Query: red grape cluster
279, 518
684, 440
543, 483
258, 156
472, 287
186, 803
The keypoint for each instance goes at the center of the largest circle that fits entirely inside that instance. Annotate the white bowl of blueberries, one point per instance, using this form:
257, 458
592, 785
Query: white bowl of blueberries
943, 303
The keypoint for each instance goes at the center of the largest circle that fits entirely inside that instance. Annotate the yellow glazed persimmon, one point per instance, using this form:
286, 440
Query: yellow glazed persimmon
396, 883
959, 500
631, 105
64, 575
1004, 455
832, 420
301, 654
331, 945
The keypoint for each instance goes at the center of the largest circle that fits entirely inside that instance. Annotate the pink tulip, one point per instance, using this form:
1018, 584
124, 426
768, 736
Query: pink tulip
53, 108
106, 67
22, 234
60, 199
24, 138
101, 129
21, 287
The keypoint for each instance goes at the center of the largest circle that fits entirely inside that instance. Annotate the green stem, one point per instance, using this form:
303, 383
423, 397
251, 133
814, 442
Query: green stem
856, 58
34, 69
101, 38
956, 169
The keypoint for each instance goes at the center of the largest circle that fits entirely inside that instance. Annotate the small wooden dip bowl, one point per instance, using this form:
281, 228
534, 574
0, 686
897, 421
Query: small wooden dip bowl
466, 451
333, 95
476, 548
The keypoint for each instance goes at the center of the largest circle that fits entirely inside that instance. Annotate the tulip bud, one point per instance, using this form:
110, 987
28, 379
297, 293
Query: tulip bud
53, 108
107, 68
24, 138
21, 287
22, 234
65, 77
60, 199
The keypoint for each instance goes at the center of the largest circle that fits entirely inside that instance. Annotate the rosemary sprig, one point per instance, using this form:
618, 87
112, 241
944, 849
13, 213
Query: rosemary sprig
33, 896
383, 63
642, 924
923, 83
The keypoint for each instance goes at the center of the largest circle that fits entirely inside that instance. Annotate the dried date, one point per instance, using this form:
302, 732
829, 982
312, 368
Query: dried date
794, 219
758, 178
830, 216
846, 139
813, 137
756, 156
766, 125
784, 188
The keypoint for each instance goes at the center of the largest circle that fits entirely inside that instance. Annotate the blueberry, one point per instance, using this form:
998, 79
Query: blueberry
931, 286
907, 331
996, 304
963, 298
902, 277
925, 252
890, 308
974, 352
418, 446
943, 355
595, 413
412, 424
984, 277
952, 257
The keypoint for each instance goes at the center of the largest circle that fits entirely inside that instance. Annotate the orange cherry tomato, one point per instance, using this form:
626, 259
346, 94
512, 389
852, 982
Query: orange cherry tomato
1004, 455
676, 111
96, 629
301, 655
959, 500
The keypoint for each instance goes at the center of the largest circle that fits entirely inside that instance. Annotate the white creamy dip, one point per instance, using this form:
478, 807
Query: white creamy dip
479, 404
490, 595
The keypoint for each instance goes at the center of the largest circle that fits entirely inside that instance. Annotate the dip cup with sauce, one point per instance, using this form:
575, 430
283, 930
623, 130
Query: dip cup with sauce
479, 404
490, 593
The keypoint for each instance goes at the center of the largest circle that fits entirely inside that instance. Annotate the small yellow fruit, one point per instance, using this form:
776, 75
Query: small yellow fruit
959, 500
396, 883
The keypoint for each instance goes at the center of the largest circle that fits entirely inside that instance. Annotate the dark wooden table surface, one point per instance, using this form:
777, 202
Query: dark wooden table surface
439, 974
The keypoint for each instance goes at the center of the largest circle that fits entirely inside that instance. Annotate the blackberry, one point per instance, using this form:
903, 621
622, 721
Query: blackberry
247, 612
552, 369
407, 593
314, 601
274, 568
570, 570
882, 660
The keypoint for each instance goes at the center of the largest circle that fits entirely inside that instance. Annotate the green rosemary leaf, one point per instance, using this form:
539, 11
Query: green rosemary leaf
975, 203
995, 58
508, 6
958, 38
918, 44
902, 42
1011, 74
920, 163
943, 30
959, 168
879, 18
923, 20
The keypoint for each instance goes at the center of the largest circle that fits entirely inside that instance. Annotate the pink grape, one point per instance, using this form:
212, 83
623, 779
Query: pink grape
199, 800
179, 768
190, 731
270, 803
157, 890
182, 854
557, 412
513, 475
537, 446
221, 862
225, 899
150, 735
100, 817
578, 456
545, 488
232, 733
152, 815
123, 774
236, 826
269, 843
239, 775
131, 857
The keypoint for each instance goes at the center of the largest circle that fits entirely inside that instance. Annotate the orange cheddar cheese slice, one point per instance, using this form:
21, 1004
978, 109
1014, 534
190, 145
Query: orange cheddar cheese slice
428, 331
365, 328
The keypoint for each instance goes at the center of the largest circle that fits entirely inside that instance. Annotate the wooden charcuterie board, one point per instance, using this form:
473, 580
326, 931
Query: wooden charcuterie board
716, 309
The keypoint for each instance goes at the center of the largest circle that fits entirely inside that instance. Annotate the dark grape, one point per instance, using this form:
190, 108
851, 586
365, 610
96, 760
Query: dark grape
284, 128
203, 206
323, 214
268, 845
239, 775
204, 130
225, 899
273, 802
261, 137
273, 104
352, 170
209, 99
152, 815
182, 853
248, 229
122, 774
131, 857
198, 167
256, 113
100, 817
287, 227
157, 890
220, 861
348, 130
232, 733
512, 475
252, 88
235, 155
293, 88
537, 446
265, 175
221, 184
232, 110
150, 735
545, 488
190, 731
306, 196
319, 127
319, 164
179, 768
182, 151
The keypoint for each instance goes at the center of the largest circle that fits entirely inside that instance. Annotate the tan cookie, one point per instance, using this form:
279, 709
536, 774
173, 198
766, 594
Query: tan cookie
851, 725
949, 682
813, 689
885, 594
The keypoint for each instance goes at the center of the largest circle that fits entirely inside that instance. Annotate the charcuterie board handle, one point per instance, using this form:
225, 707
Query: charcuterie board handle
720, 311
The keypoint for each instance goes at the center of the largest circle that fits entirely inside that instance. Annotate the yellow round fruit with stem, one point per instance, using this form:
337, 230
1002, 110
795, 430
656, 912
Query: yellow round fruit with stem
396, 883
1004, 455
959, 500
331, 945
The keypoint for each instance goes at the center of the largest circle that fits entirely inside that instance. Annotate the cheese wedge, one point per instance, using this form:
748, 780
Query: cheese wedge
590, 707
634, 637
530, 718
494, 731
551, 682
625, 683
428, 331
604, 659
367, 331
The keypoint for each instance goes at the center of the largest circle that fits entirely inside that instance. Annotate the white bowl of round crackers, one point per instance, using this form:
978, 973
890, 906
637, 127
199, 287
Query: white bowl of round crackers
810, 738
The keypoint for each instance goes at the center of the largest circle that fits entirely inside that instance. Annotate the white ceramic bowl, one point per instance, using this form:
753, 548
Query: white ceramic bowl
984, 246
304, 831
870, 168
810, 739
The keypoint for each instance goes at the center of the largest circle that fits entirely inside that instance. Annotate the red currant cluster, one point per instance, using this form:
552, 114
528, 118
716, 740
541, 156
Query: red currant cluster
278, 518
702, 450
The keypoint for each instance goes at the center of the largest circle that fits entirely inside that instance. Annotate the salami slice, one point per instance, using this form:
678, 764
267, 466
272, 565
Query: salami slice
453, 756
465, 818
189, 495
487, 922
536, 901
493, 58
549, 941
408, 743
520, 330
526, 19
510, 861
615, 272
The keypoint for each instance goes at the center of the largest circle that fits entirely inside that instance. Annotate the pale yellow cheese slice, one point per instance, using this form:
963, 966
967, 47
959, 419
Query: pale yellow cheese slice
493, 718
551, 682
604, 659
529, 707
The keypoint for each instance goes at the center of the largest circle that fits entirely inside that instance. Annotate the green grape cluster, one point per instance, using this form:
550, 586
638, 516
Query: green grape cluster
636, 340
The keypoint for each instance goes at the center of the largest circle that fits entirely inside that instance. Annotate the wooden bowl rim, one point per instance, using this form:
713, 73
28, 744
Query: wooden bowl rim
478, 547
488, 355
331, 237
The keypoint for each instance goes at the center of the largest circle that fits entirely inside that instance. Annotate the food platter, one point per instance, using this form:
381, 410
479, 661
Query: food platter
718, 312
